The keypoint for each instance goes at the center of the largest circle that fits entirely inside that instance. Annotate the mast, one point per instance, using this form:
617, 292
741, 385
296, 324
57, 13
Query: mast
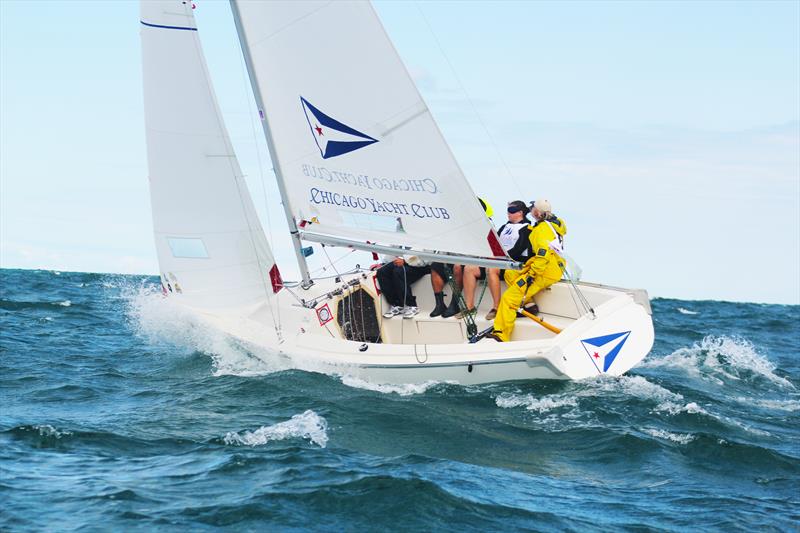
293, 230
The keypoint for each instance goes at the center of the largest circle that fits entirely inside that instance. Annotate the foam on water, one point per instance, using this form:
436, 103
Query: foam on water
631, 387
680, 438
673, 408
46, 430
65, 303
635, 386
403, 390
541, 404
684, 311
718, 358
307, 425
776, 405
161, 321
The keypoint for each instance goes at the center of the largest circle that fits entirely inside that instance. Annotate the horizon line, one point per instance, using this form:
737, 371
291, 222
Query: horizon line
652, 297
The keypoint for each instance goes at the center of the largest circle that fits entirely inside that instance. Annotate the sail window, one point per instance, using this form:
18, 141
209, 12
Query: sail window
187, 248
368, 221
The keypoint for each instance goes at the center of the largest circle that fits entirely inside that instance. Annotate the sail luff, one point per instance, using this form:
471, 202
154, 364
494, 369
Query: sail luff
285, 201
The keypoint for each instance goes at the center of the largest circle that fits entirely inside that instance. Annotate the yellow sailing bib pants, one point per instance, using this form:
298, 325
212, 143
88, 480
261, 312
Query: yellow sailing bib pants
519, 291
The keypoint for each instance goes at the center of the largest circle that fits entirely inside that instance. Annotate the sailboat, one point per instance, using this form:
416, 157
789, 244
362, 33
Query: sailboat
360, 163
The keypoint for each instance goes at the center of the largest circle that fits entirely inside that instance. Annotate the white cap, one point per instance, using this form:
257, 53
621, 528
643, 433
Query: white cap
543, 205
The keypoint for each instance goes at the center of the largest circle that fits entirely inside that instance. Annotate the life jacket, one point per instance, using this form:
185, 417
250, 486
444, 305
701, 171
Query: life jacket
508, 234
545, 261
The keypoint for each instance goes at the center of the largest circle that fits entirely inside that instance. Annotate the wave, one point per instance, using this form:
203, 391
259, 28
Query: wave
775, 405
721, 358
622, 388
160, 320
542, 404
407, 389
684, 311
592, 400
44, 430
308, 425
16, 305
369, 500
47, 435
680, 438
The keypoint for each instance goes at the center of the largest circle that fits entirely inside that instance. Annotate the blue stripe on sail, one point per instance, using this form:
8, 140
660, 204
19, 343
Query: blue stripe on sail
334, 148
167, 27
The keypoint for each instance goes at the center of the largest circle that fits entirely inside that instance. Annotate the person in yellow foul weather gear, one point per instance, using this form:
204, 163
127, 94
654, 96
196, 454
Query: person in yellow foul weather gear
544, 268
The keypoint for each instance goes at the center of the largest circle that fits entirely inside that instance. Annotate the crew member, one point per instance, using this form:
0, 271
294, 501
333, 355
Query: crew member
513, 237
439, 279
395, 279
543, 269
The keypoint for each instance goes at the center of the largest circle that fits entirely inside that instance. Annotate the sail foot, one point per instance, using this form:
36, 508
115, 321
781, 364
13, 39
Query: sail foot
427, 255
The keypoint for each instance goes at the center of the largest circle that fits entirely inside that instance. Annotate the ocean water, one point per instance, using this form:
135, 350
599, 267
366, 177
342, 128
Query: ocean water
118, 412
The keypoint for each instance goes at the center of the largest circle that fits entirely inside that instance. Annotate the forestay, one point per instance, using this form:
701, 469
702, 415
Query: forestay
360, 155
211, 249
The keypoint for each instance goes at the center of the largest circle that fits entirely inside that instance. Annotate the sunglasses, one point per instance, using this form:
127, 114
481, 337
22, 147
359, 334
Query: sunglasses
514, 209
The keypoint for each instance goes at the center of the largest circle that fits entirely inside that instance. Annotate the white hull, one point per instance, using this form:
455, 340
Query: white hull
425, 349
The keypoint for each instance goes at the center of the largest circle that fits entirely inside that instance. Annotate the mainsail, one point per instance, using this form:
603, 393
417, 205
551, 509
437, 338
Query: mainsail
355, 148
211, 248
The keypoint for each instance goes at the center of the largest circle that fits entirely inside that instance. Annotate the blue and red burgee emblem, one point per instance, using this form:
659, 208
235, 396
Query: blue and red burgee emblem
603, 350
332, 137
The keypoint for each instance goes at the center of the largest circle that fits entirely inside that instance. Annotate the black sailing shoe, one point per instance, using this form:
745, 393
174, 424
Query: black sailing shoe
440, 307
453, 308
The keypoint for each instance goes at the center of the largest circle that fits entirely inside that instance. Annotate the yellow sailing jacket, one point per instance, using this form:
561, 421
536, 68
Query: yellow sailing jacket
545, 262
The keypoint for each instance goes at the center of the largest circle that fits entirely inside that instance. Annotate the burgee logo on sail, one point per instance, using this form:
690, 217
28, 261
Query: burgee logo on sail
333, 138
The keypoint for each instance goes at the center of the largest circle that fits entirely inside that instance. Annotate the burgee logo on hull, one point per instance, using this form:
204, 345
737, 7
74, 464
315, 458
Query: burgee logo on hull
603, 350
332, 137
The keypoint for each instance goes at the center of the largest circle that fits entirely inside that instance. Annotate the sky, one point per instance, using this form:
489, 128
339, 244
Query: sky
666, 134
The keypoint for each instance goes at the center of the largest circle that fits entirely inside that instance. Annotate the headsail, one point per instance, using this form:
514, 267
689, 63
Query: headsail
360, 155
211, 248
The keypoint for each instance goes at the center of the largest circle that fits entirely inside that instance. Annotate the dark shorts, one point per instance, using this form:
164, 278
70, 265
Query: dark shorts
439, 269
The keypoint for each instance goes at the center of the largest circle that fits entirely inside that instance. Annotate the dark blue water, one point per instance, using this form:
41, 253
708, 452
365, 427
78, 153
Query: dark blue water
119, 413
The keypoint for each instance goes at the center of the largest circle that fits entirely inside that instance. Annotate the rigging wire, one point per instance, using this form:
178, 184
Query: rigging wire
469, 100
288, 289
325, 249
582, 297
251, 115
331, 264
